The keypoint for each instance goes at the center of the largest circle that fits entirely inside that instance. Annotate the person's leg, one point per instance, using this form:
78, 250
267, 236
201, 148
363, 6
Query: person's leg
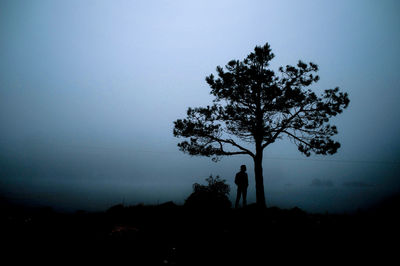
244, 192
237, 197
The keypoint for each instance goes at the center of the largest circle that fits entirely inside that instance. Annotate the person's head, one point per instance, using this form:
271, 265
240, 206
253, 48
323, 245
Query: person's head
243, 168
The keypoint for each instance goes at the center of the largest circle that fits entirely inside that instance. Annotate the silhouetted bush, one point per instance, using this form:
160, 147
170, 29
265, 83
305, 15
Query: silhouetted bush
211, 196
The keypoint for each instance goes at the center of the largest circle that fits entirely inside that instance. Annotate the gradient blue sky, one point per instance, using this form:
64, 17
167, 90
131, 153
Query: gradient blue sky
89, 91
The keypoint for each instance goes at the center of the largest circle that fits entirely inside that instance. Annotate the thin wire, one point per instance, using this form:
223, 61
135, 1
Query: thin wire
331, 160
266, 157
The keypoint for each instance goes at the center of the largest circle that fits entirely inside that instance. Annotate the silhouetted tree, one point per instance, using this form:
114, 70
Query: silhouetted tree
214, 195
253, 104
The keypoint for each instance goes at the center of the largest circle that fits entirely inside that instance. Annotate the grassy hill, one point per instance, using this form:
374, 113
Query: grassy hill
171, 234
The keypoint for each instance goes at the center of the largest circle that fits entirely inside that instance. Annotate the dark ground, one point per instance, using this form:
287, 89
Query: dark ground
170, 234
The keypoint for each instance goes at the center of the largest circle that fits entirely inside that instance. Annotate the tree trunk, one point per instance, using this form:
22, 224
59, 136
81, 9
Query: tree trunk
258, 172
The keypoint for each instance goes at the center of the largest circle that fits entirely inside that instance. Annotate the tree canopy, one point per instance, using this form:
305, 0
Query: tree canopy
254, 104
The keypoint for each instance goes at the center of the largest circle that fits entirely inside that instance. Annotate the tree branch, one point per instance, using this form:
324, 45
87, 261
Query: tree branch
282, 128
233, 143
297, 138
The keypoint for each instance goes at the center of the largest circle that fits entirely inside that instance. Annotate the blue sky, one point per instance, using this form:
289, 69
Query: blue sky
89, 91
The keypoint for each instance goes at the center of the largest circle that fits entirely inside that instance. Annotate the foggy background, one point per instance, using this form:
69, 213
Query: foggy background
89, 91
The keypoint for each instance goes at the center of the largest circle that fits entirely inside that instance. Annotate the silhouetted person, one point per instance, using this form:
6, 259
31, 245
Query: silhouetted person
242, 182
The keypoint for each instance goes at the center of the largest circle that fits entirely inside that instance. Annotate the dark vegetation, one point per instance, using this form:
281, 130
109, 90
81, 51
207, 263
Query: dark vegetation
197, 234
214, 195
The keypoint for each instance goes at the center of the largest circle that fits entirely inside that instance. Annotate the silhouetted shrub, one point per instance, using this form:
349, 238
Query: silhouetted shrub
211, 196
